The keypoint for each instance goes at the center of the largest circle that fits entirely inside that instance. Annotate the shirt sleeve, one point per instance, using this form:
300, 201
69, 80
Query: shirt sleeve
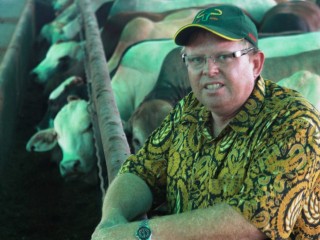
150, 163
282, 178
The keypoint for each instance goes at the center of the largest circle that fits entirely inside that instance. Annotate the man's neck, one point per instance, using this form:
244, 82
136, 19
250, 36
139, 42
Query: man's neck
219, 123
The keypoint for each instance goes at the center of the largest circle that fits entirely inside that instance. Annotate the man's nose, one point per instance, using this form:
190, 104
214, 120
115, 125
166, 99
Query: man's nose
211, 67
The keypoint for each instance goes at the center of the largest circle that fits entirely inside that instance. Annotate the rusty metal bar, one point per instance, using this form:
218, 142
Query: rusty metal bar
114, 142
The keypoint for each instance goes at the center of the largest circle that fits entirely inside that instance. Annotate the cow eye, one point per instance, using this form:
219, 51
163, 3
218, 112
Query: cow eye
88, 128
64, 63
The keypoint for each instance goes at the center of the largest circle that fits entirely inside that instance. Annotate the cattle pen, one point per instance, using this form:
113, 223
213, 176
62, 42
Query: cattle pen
36, 202
100, 45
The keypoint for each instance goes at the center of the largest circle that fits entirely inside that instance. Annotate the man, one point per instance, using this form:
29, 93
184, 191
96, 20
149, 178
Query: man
238, 158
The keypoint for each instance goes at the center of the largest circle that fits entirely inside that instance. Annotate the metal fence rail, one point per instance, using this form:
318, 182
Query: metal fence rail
114, 142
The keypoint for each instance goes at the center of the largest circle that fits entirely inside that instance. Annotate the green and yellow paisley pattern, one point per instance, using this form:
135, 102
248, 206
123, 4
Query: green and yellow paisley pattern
265, 163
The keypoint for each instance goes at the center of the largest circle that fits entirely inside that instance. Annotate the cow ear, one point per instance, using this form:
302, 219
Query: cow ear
72, 98
42, 141
78, 80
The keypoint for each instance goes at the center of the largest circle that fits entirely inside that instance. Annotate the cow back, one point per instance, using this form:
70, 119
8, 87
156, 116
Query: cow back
171, 86
277, 68
306, 83
114, 25
290, 17
173, 81
257, 10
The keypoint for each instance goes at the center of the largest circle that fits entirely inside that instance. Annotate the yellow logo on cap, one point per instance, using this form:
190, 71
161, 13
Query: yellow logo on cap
208, 16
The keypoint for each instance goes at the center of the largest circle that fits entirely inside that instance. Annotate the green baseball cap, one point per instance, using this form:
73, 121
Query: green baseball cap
226, 21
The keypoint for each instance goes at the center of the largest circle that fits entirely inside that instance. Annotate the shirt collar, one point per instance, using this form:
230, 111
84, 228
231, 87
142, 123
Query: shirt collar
245, 119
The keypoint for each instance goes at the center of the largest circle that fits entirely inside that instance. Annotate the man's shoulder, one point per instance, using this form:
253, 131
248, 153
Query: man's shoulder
287, 105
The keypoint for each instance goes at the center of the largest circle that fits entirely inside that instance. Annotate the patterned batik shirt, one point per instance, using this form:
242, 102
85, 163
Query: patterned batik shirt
265, 163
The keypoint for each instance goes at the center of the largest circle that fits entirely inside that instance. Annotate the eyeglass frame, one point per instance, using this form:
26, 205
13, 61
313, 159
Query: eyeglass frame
221, 57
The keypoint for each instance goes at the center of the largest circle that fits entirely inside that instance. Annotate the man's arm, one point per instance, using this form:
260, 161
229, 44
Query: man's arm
128, 197
221, 222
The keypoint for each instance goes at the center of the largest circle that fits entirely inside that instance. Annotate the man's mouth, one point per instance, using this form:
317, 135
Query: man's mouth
214, 86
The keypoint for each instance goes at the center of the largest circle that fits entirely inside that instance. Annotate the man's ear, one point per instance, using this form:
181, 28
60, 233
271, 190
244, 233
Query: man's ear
258, 61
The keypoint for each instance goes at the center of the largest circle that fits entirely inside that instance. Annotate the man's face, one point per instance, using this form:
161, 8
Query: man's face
222, 87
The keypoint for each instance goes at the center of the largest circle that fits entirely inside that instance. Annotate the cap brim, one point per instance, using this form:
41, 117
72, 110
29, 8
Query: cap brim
183, 34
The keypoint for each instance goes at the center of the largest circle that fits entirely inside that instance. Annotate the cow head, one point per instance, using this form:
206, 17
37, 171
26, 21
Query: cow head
54, 31
73, 87
146, 118
73, 132
60, 5
61, 58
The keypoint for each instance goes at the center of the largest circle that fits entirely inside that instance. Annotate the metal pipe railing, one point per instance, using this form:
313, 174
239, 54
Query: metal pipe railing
115, 146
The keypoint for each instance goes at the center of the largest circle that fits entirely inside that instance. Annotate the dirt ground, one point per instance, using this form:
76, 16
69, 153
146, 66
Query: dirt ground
36, 203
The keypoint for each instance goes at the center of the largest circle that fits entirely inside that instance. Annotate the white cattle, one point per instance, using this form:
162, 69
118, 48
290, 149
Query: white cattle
60, 58
277, 68
256, 9
142, 28
73, 132
66, 26
73, 87
279, 46
133, 80
138, 73
141, 61
140, 66
290, 17
144, 120
54, 95
289, 54
286, 55
171, 86
53, 31
112, 29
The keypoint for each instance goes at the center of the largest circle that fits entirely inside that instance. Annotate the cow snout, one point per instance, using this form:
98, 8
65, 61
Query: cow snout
30, 148
70, 169
33, 76
34, 80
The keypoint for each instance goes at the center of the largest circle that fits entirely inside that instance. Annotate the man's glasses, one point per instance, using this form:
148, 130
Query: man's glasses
197, 62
